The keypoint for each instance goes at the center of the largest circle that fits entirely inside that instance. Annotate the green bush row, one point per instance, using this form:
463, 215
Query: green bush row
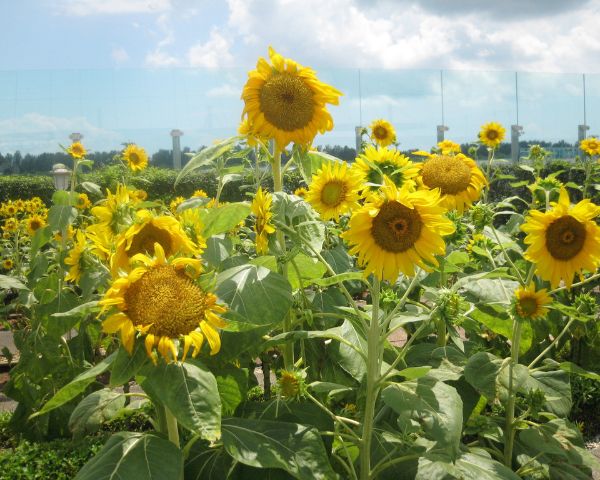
160, 182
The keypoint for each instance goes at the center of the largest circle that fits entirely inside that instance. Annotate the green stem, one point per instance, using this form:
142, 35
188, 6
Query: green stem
554, 342
509, 432
578, 284
441, 331
373, 377
172, 429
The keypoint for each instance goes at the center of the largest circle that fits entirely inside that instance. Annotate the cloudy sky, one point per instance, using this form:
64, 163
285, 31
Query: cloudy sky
120, 69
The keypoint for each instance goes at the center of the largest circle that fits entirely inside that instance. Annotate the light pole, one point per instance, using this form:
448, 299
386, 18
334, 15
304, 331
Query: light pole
75, 137
176, 133
61, 176
515, 132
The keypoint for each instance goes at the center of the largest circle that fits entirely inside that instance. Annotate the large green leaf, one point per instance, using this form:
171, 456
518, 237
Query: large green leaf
190, 392
496, 318
468, 466
556, 388
94, 410
61, 216
205, 157
138, 456
126, 366
7, 282
347, 356
303, 270
204, 463
233, 385
489, 375
223, 218
295, 448
436, 406
302, 222
76, 386
256, 294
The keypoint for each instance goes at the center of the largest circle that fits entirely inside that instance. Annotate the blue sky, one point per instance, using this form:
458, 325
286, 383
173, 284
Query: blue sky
131, 70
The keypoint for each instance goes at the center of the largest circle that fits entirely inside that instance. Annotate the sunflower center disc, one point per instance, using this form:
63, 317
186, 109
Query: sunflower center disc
450, 174
565, 237
380, 132
134, 158
333, 193
491, 134
527, 306
287, 102
168, 300
144, 240
396, 228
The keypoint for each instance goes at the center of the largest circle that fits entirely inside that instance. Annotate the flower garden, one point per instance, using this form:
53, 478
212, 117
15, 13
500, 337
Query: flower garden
405, 324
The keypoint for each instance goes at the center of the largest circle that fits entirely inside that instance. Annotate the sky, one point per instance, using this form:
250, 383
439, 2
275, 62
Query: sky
132, 70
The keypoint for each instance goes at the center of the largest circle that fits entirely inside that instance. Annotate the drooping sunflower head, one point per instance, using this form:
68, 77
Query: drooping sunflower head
398, 230
76, 258
382, 132
34, 223
77, 150
252, 139
261, 208
457, 176
334, 190
492, 134
377, 163
82, 201
161, 301
531, 304
591, 146
147, 231
115, 212
448, 147
135, 157
286, 101
563, 241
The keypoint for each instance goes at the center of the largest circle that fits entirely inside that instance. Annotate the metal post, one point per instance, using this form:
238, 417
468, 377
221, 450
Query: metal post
440, 132
515, 132
176, 148
358, 138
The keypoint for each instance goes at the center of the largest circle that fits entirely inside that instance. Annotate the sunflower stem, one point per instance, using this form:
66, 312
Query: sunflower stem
172, 429
373, 383
554, 342
509, 432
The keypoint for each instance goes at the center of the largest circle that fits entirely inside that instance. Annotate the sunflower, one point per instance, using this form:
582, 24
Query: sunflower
138, 195
82, 201
102, 241
200, 194
160, 300
11, 210
301, 192
382, 132
75, 258
11, 225
457, 176
245, 130
261, 208
135, 157
564, 240
492, 134
531, 304
77, 150
398, 229
286, 101
448, 147
70, 233
147, 231
334, 190
115, 213
34, 223
191, 222
7, 264
591, 146
376, 163
175, 203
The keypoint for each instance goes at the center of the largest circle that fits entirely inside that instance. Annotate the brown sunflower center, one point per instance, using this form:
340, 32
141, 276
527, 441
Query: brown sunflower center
144, 240
492, 134
527, 306
35, 224
565, 237
167, 300
287, 102
134, 158
450, 174
333, 193
396, 227
380, 132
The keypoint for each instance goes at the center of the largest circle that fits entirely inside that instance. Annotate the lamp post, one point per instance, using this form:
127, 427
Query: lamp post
75, 137
61, 176
176, 133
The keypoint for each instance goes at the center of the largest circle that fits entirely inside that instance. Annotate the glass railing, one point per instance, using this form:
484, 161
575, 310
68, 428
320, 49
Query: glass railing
40, 108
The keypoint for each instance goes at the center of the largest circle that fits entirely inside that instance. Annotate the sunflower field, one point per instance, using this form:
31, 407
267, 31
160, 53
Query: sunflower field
387, 320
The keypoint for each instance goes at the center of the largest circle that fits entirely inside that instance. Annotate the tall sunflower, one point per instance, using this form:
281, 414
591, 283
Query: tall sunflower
530, 303
398, 229
457, 176
492, 134
77, 150
286, 101
135, 157
75, 258
160, 300
334, 190
564, 240
115, 212
382, 132
261, 208
591, 146
376, 163
147, 231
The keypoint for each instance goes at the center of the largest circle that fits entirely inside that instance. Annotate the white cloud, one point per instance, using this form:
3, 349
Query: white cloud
37, 133
226, 90
214, 53
119, 55
158, 58
82, 8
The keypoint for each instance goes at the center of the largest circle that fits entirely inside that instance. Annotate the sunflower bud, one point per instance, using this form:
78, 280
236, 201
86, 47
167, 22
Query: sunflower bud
481, 215
292, 384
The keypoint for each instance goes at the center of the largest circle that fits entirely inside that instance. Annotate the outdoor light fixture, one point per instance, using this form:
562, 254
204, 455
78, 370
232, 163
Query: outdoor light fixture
61, 176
